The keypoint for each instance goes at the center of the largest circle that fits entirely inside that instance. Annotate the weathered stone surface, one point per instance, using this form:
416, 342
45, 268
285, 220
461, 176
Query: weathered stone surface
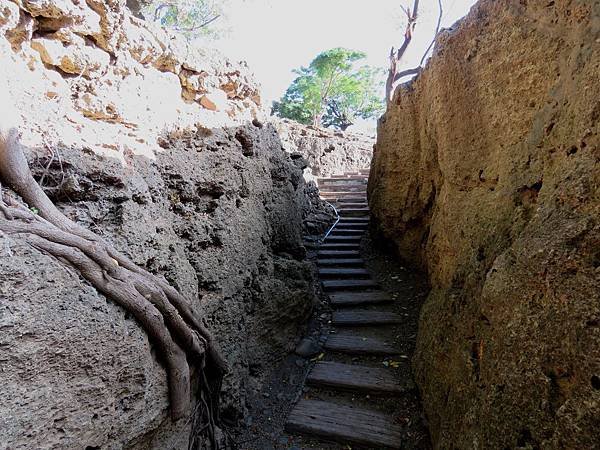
206, 198
77, 58
327, 151
487, 174
216, 101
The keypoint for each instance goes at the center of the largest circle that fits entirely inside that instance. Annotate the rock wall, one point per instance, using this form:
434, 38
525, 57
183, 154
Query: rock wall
486, 174
164, 151
327, 151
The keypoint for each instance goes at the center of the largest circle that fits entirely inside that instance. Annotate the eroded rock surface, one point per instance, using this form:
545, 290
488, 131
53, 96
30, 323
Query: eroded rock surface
327, 151
164, 151
486, 174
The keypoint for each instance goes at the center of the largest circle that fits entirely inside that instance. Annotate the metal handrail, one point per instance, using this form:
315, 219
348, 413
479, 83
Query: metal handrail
337, 219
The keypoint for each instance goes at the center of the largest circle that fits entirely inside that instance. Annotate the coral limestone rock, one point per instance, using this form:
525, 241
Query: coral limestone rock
486, 174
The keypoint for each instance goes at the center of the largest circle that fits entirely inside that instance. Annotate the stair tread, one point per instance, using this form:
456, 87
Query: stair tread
358, 298
335, 238
341, 262
344, 424
338, 253
364, 317
347, 232
361, 378
361, 220
332, 285
357, 344
356, 199
343, 272
340, 246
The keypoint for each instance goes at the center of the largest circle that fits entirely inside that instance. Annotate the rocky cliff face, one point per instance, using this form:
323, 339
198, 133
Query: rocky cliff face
161, 149
486, 174
327, 152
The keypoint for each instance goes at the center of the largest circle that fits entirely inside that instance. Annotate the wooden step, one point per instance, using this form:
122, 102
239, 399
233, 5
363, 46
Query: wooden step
353, 179
343, 187
341, 262
348, 285
347, 232
344, 424
341, 239
344, 273
333, 196
358, 298
348, 205
372, 380
353, 212
356, 344
354, 220
344, 200
359, 317
328, 246
348, 200
351, 226
322, 254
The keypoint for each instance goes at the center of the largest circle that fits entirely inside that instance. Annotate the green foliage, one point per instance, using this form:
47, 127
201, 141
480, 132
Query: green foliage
192, 17
333, 91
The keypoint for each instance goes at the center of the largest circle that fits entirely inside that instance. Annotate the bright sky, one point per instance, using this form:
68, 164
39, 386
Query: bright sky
277, 36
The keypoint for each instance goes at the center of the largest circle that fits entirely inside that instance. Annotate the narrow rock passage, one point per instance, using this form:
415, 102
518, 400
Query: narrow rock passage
360, 340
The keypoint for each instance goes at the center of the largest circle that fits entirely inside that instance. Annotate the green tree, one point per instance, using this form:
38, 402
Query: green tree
192, 17
333, 91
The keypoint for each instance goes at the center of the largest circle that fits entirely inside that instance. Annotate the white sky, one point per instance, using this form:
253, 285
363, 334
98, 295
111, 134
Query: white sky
277, 36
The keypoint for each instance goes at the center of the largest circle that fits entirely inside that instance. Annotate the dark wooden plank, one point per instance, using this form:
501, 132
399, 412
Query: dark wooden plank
343, 231
356, 344
359, 317
341, 262
344, 273
344, 424
346, 220
338, 254
356, 226
358, 298
333, 238
344, 187
355, 199
332, 196
357, 205
356, 378
353, 212
342, 180
346, 246
348, 285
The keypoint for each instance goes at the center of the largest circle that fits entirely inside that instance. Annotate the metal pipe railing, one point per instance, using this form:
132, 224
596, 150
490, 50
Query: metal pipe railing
337, 219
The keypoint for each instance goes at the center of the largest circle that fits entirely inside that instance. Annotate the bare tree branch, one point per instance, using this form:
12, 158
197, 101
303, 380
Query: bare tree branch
395, 58
393, 75
437, 30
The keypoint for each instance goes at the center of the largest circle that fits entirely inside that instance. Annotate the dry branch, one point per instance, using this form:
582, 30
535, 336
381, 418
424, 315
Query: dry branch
395, 57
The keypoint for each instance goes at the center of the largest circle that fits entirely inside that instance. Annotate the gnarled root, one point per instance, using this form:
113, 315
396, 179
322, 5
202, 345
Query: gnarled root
163, 312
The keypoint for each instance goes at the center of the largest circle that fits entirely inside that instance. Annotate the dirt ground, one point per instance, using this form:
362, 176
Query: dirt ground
264, 428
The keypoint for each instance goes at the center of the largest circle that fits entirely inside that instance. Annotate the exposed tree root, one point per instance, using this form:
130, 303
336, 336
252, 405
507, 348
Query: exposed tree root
162, 311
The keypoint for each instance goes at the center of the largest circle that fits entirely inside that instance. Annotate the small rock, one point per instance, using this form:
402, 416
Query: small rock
307, 348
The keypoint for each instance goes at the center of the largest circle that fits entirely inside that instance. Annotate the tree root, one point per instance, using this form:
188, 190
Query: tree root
161, 310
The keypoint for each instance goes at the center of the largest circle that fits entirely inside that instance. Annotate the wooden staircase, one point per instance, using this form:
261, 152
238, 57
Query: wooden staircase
359, 307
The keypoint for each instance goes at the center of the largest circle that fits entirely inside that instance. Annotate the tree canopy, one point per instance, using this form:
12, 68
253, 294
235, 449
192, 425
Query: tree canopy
334, 90
191, 17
